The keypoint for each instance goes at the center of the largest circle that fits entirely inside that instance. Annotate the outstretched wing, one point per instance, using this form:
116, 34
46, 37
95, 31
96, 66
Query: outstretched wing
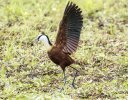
69, 29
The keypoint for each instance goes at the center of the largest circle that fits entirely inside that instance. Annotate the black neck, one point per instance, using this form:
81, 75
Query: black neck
49, 40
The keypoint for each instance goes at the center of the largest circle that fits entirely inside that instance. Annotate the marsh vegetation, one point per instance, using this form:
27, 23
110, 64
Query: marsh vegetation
26, 73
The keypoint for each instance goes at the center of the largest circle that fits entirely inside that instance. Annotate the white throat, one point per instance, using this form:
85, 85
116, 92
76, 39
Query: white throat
45, 41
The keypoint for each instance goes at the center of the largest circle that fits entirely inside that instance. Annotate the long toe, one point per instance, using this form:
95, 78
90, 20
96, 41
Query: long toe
61, 89
73, 85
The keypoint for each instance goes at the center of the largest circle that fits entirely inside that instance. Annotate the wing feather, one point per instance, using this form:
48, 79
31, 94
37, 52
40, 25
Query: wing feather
69, 29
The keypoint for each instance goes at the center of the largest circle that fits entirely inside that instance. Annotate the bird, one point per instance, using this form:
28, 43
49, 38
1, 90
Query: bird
67, 39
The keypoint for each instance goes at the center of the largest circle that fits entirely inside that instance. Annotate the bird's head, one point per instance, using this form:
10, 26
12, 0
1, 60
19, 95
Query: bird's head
44, 38
41, 37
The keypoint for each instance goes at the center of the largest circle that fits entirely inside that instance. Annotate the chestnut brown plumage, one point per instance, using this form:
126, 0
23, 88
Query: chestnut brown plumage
67, 38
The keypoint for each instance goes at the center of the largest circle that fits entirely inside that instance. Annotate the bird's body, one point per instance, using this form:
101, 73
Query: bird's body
67, 38
59, 57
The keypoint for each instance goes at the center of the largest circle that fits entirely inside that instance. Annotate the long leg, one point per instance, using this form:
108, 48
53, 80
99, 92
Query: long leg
64, 77
73, 85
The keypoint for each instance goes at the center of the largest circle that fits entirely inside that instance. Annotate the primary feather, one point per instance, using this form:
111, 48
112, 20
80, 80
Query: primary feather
70, 28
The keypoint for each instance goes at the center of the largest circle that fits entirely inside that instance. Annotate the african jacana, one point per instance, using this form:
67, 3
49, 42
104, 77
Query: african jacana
67, 38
